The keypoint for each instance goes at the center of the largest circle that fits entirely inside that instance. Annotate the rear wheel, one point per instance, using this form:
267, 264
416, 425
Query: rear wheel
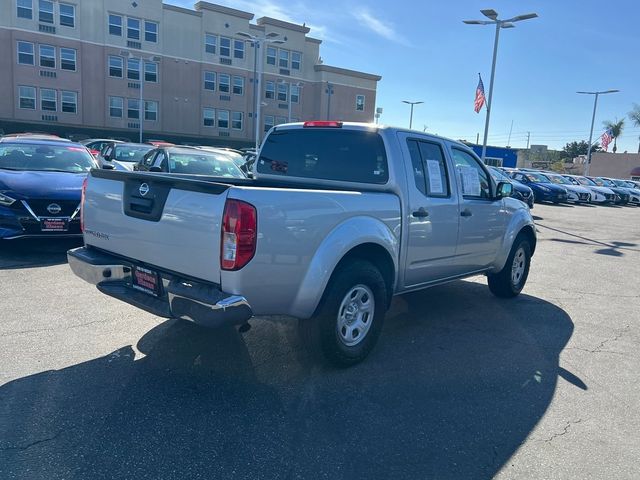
510, 281
349, 320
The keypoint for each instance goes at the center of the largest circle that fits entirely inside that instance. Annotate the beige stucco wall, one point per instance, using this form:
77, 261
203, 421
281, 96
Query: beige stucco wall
615, 165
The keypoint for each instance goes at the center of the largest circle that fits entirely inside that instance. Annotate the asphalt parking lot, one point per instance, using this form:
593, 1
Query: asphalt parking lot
461, 385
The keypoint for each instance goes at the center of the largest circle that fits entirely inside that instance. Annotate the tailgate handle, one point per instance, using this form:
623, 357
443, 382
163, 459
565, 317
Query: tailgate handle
141, 205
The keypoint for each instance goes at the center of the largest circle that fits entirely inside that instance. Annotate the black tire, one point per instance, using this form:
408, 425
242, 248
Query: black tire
320, 333
502, 284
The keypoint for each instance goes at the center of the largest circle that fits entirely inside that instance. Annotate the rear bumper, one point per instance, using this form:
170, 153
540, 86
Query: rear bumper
199, 302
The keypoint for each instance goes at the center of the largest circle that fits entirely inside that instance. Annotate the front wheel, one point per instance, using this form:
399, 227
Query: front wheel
349, 320
510, 281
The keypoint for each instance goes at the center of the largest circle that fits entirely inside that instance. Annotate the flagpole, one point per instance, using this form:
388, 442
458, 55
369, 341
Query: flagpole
493, 74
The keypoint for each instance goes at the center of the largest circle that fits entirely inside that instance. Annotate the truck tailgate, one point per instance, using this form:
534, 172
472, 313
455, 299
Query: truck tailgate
165, 221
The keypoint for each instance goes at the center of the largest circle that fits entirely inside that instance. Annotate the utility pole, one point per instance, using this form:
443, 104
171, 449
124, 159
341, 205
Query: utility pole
510, 131
528, 138
477, 138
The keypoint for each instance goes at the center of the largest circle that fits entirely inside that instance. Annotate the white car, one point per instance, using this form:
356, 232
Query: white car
575, 193
598, 194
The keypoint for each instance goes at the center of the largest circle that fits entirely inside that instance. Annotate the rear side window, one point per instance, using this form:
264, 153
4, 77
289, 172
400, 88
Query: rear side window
429, 168
325, 154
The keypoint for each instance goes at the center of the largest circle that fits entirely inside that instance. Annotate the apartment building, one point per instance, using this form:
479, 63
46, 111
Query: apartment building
82, 66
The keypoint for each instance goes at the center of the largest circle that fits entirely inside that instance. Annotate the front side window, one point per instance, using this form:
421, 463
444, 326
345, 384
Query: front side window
473, 177
48, 100
68, 58
295, 93
271, 55
116, 65
133, 108
115, 25
25, 53
133, 69
236, 120
269, 122
133, 28
359, 103
47, 56
296, 60
224, 83
429, 168
151, 31
151, 72
27, 97
210, 43
238, 49
69, 101
67, 15
238, 85
210, 81
223, 119
284, 59
270, 90
225, 47
151, 110
25, 9
282, 92
45, 11
209, 117
116, 106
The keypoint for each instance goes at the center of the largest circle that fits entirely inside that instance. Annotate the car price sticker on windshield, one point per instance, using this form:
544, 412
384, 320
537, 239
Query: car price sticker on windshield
470, 180
435, 176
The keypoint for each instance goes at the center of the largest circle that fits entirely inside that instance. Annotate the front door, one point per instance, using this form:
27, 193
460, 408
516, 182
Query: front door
431, 214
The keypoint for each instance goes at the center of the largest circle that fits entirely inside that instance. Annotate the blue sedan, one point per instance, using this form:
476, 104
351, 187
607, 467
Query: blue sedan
543, 189
40, 187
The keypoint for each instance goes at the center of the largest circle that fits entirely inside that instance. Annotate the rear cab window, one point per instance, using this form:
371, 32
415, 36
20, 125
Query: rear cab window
345, 155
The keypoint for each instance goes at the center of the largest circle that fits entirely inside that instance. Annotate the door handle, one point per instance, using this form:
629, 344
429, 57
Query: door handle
466, 213
420, 213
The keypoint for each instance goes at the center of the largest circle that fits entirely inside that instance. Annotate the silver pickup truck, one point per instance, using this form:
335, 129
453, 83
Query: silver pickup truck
338, 218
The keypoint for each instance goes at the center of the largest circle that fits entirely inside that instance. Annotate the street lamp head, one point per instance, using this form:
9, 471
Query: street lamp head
490, 13
526, 16
611, 91
272, 35
476, 22
507, 25
277, 42
245, 35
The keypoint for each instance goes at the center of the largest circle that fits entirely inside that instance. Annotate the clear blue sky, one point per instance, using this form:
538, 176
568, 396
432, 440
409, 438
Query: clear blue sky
424, 52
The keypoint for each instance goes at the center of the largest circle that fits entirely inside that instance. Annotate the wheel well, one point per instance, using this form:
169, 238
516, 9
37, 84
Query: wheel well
379, 257
529, 233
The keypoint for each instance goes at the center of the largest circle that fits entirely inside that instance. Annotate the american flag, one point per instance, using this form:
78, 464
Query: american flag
480, 99
606, 138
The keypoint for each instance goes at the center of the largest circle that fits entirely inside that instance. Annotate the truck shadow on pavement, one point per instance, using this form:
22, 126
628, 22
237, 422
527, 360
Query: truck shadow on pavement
455, 386
28, 253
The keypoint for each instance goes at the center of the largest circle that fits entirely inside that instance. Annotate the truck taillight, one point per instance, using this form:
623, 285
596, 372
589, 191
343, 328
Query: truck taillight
239, 233
82, 196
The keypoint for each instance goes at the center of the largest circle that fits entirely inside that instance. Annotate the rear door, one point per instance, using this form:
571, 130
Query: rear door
432, 214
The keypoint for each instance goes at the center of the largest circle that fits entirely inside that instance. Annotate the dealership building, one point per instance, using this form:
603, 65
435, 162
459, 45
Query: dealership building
82, 67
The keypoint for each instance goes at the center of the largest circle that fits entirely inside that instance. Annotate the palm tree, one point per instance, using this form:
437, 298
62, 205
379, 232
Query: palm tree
616, 130
634, 116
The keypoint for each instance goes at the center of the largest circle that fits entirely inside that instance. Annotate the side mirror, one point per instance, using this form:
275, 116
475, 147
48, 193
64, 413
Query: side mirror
505, 189
155, 169
108, 166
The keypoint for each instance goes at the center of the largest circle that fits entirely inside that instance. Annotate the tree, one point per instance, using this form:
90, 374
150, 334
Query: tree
634, 116
616, 130
575, 149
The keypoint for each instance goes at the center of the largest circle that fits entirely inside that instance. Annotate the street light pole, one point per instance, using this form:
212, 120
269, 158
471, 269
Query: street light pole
411, 114
329, 93
492, 15
141, 96
593, 119
142, 72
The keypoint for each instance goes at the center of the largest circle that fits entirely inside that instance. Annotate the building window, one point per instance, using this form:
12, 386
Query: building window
282, 92
238, 49
223, 119
295, 93
151, 110
116, 106
25, 9
236, 120
26, 53
210, 81
133, 69
268, 122
284, 59
69, 101
47, 56
223, 83
115, 25
68, 58
27, 97
150, 72
238, 85
116, 65
270, 90
281, 120
271, 55
133, 28
225, 47
210, 42
133, 108
359, 103
209, 117
296, 60
150, 31
48, 100
67, 15
45, 11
